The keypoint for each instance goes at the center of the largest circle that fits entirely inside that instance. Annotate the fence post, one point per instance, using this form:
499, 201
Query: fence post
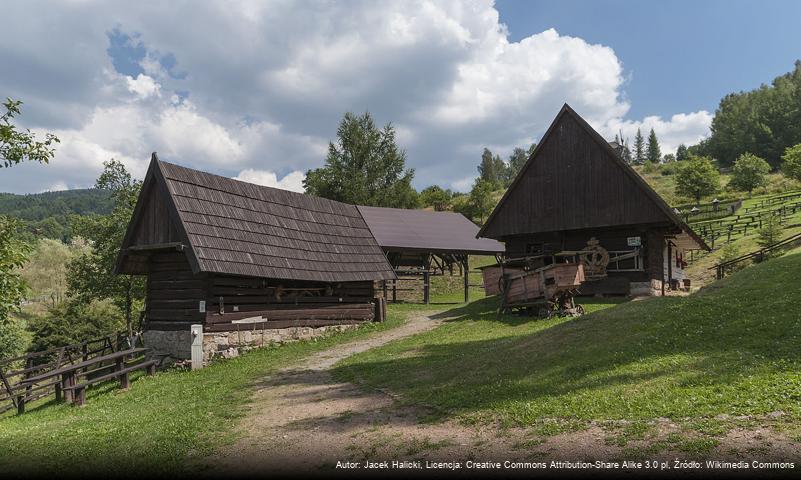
197, 347
426, 280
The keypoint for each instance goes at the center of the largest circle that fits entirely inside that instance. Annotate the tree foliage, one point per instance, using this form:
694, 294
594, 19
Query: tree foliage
13, 254
791, 162
492, 169
17, 145
764, 121
697, 178
72, 321
652, 152
435, 197
91, 274
517, 159
639, 148
749, 172
364, 166
45, 273
682, 153
478, 204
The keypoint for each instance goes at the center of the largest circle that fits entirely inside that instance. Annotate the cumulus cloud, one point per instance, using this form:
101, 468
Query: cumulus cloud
681, 128
265, 93
293, 181
143, 86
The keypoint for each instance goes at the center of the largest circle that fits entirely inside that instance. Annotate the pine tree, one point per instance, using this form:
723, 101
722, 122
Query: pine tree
682, 153
653, 152
639, 148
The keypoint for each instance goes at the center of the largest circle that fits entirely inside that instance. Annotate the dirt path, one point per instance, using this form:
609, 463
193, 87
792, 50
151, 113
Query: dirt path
301, 419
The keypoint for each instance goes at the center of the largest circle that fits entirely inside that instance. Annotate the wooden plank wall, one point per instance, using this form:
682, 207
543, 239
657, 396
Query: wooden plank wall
173, 292
572, 184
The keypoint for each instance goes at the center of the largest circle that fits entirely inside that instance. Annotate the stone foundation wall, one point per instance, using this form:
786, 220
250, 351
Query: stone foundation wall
231, 344
172, 344
644, 289
176, 345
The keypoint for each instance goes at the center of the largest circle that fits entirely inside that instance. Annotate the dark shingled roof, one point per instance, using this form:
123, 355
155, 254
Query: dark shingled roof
426, 231
238, 228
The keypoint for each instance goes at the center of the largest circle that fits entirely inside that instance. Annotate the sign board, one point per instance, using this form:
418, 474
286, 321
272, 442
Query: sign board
634, 241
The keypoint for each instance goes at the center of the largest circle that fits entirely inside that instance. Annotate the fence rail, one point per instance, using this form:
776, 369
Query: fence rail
14, 371
728, 266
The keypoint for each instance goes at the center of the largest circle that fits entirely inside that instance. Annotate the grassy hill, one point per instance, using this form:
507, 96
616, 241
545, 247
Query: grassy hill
731, 351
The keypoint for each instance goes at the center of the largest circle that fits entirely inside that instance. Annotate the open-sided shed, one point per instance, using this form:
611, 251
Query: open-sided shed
421, 243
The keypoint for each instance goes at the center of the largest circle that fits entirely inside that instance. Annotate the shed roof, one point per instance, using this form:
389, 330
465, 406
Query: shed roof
238, 228
400, 229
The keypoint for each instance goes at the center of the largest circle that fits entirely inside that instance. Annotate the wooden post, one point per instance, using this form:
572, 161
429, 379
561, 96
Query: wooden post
21, 404
125, 381
426, 290
385, 289
466, 279
395, 291
197, 346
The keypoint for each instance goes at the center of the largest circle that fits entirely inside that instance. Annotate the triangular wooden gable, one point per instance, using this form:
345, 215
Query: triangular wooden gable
155, 225
574, 180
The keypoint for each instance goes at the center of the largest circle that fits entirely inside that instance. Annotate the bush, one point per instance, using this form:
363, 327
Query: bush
71, 322
728, 253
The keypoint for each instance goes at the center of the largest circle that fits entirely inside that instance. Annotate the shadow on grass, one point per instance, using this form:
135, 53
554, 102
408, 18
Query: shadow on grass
705, 354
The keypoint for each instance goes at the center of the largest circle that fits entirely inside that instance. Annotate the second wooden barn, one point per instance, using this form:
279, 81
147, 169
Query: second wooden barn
577, 196
235, 256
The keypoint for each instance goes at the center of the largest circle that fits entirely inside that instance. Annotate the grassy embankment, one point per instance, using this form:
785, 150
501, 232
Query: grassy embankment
731, 350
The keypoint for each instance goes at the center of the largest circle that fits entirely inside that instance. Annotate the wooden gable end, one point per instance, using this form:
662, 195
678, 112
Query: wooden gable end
154, 225
572, 182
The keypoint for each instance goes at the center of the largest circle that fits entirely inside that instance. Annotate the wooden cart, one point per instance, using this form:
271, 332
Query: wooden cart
545, 290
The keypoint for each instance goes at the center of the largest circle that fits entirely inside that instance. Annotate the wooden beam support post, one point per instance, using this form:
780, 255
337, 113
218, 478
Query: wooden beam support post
466, 267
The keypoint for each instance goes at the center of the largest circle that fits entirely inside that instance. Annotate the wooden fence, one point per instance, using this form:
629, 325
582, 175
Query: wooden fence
14, 371
723, 268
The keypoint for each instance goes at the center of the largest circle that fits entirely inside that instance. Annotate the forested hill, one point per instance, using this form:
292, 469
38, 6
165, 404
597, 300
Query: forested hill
46, 214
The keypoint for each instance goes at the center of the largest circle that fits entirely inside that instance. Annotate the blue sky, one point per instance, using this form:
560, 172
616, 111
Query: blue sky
255, 90
681, 55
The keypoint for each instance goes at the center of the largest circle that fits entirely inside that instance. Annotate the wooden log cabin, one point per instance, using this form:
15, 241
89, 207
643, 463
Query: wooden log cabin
232, 255
576, 194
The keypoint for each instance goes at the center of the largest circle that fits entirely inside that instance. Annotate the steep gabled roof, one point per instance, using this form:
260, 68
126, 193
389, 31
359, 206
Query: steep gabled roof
574, 199
400, 229
232, 227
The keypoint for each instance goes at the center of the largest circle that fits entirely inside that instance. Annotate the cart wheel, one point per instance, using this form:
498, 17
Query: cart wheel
579, 309
544, 312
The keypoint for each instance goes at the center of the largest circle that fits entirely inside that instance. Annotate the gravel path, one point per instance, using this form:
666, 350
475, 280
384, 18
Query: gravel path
302, 420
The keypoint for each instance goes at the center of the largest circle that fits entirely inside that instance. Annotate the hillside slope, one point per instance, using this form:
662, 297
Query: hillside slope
732, 349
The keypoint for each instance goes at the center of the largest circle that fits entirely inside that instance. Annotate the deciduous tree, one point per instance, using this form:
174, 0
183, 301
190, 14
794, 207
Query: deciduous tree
697, 178
91, 275
749, 172
17, 145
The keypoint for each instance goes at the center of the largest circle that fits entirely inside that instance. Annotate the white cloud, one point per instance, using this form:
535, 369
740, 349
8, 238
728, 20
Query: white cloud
143, 86
292, 181
265, 93
689, 129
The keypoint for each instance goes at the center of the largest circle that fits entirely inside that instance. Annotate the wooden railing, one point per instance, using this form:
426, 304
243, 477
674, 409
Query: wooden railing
756, 256
14, 371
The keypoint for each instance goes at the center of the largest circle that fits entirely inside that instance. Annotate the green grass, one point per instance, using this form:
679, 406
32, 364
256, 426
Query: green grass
734, 348
156, 425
